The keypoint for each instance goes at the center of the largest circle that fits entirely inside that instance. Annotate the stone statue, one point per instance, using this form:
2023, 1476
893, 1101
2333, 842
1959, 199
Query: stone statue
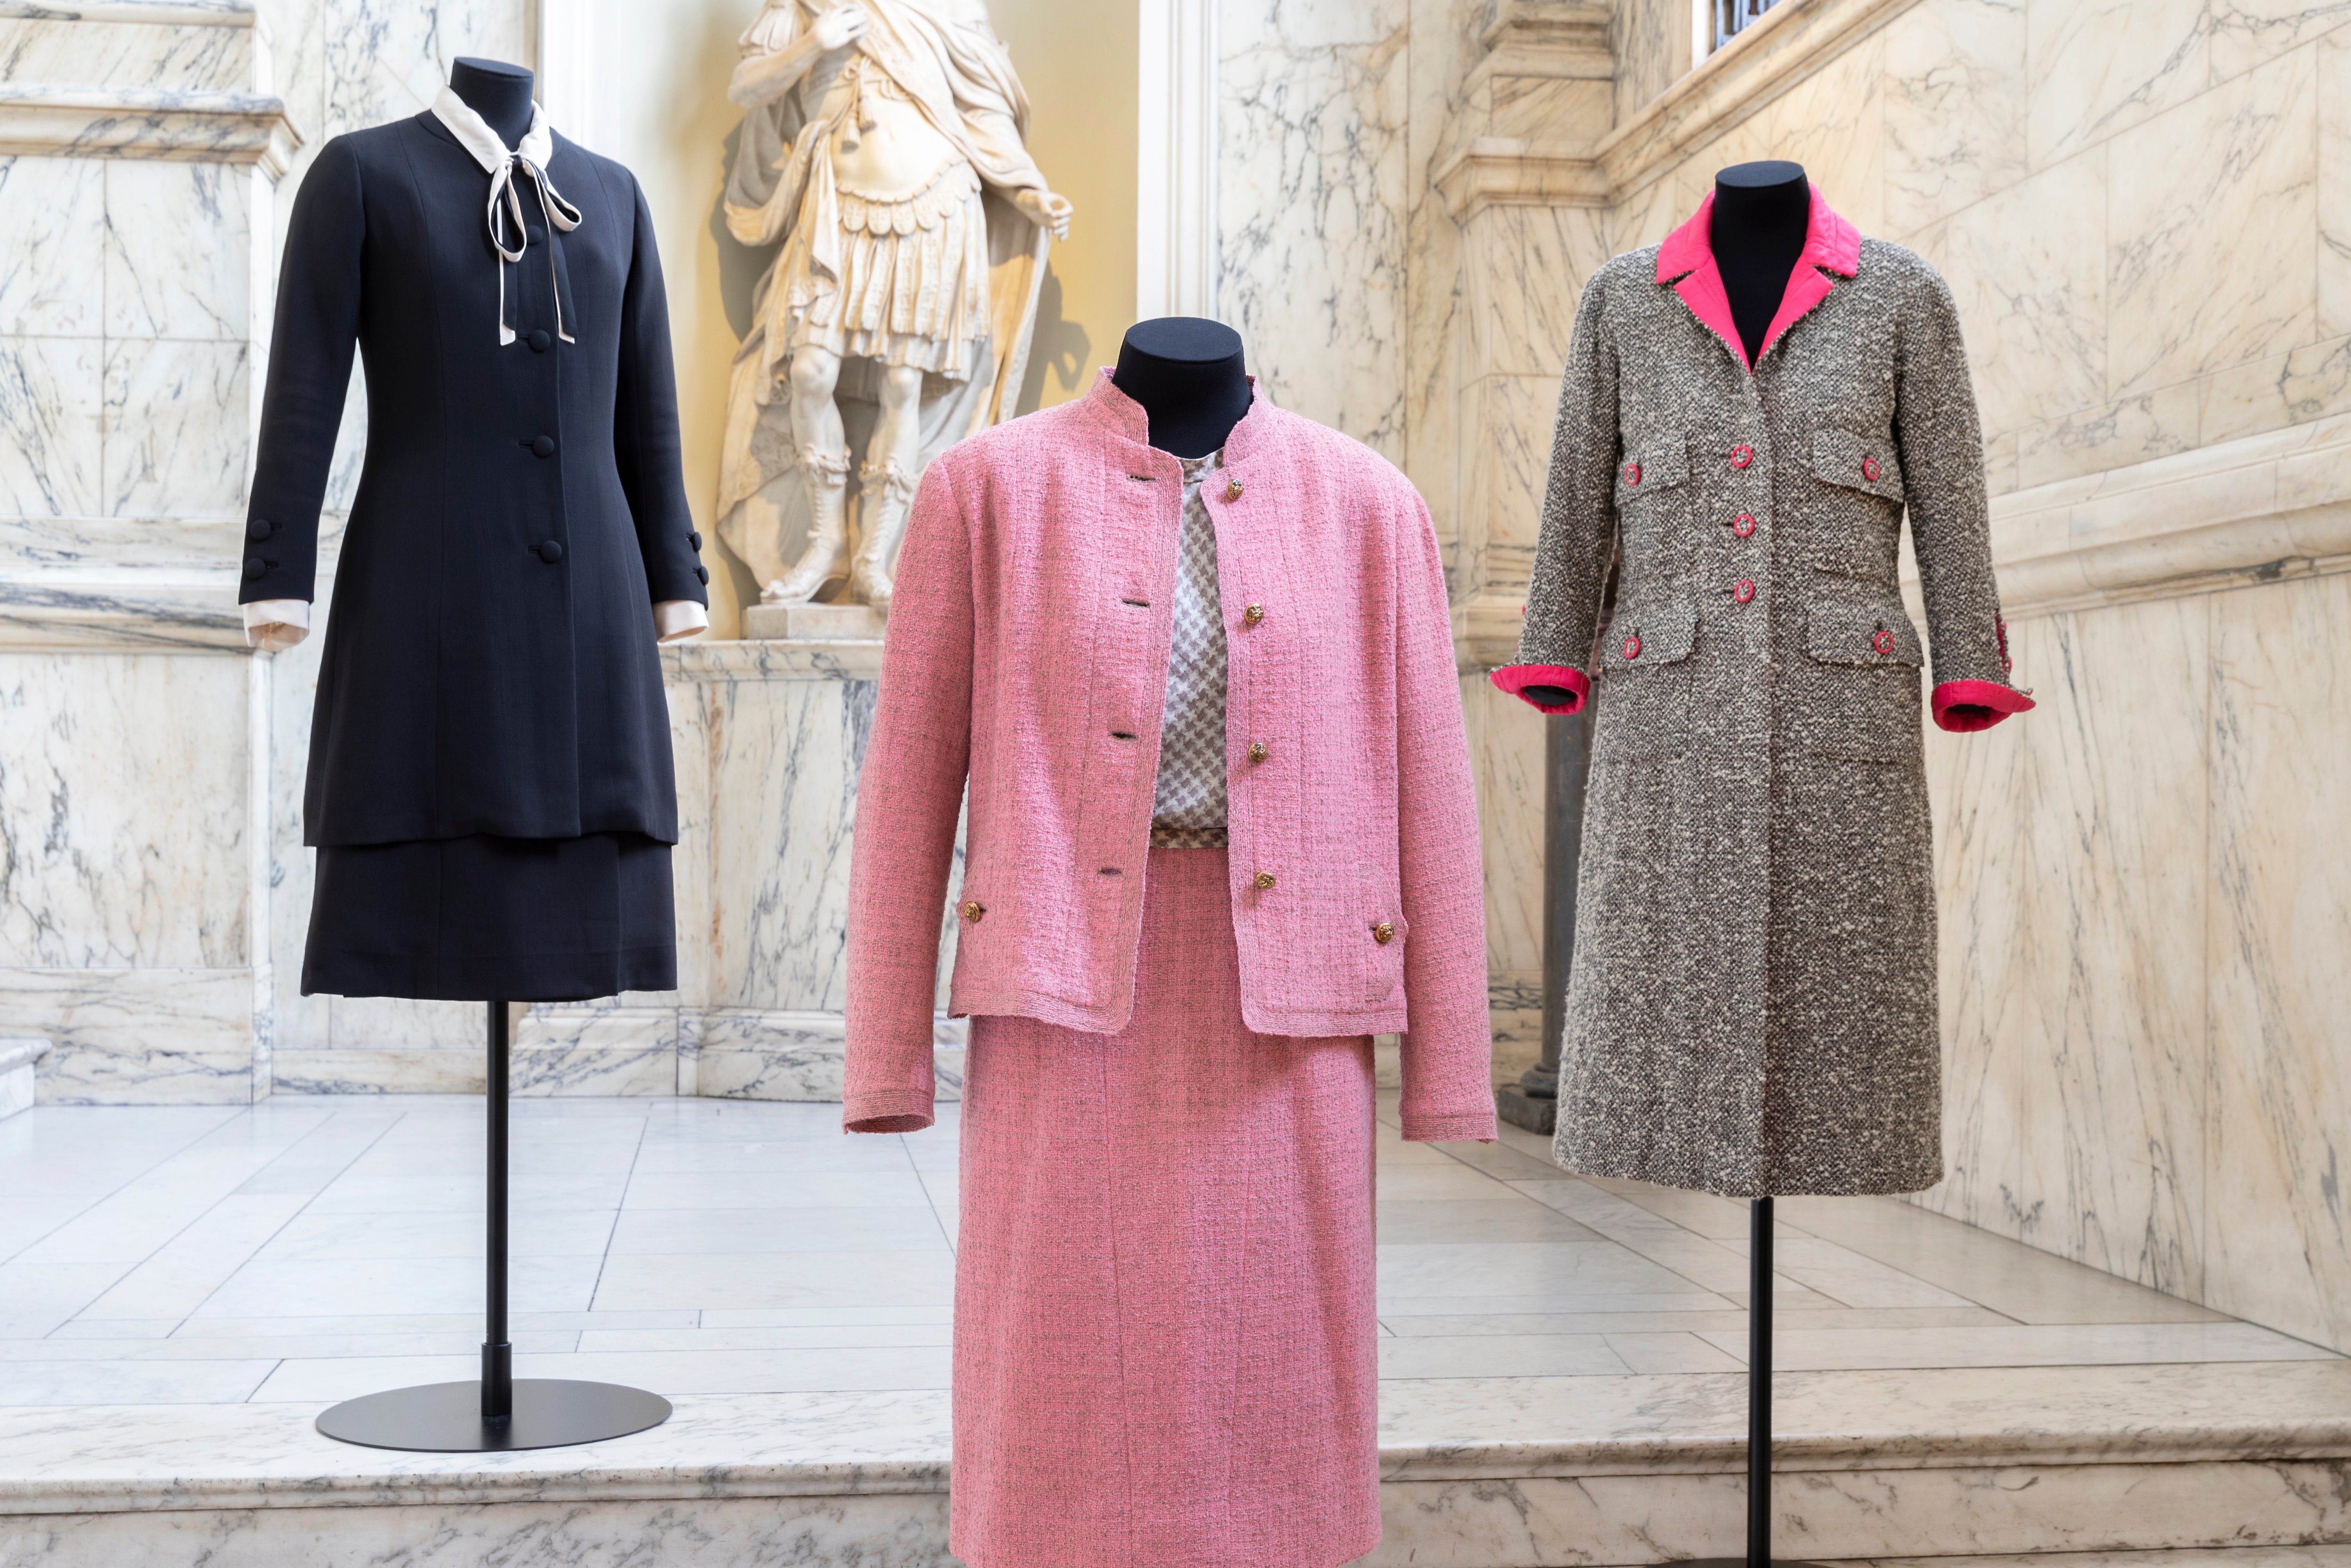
882, 146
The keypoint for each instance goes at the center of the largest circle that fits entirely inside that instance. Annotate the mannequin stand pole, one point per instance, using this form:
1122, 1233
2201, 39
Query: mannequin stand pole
1759, 1399
497, 1413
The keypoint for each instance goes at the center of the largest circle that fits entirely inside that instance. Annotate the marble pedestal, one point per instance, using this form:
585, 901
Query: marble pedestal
17, 1058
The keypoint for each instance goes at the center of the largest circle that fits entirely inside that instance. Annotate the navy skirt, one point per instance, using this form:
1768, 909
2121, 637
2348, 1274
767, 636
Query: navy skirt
486, 919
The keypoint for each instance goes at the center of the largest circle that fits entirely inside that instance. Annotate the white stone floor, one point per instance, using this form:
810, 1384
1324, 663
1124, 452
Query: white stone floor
307, 1249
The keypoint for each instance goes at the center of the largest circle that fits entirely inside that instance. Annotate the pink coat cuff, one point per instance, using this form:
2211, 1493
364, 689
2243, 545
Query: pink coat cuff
1515, 678
1988, 702
887, 1111
1467, 1126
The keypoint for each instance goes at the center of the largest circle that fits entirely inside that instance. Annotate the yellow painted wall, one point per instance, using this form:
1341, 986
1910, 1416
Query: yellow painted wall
660, 107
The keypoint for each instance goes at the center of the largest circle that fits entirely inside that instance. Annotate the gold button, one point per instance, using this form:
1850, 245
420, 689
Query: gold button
1252, 615
973, 909
1258, 752
1264, 879
1383, 933
1232, 489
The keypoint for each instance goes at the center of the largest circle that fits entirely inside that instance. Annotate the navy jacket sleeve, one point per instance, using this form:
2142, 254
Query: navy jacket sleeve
310, 351
644, 437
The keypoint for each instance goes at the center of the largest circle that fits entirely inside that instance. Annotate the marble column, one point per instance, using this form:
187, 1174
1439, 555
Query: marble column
139, 150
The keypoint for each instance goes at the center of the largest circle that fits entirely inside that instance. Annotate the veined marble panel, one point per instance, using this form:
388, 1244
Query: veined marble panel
2212, 208
122, 783
52, 394
1507, 748
2310, 383
158, 284
1521, 296
1833, 122
1502, 516
177, 425
2280, 923
2113, 1090
384, 60
741, 1054
2027, 266
1954, 108
1312, 204
2103, 66
2247, 33
2334, 184
52, 209
138, 1036
1651, 40
2109, 435
90, 51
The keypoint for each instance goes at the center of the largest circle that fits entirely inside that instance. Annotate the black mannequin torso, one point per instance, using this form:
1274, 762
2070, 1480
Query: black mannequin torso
1762, 213
1188, 375
498, 92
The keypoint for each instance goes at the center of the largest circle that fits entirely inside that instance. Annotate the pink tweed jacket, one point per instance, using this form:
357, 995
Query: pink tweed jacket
1028, 650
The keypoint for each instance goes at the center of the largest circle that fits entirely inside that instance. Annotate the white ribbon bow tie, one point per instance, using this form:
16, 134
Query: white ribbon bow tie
474, 133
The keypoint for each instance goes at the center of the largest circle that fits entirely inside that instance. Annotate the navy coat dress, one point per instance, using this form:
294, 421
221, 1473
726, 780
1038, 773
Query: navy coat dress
490, 782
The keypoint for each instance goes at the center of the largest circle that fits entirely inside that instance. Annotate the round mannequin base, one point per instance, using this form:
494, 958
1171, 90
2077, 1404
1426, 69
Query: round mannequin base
446, 1417
1741, 1563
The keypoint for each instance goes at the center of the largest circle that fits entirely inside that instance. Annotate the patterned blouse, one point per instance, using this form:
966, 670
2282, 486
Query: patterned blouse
1188, 809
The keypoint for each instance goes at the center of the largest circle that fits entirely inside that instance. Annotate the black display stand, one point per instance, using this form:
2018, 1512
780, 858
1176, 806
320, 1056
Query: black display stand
1758, 1401
499, 1412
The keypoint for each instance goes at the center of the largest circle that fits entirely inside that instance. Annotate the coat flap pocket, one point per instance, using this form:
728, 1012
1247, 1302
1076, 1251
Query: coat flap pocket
1660, 462
1858, 463
1862, 635
1642, 639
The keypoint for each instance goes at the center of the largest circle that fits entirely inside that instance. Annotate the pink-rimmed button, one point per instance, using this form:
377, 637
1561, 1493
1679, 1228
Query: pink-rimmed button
1869, 469
1631, 473
1743, 524
1740, 456
1744, 592
1632, 646
1883, 641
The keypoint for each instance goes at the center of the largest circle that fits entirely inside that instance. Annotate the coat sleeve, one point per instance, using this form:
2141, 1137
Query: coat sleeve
1941, 448
1449, 1087
1579, 526
310, 348
644, 427
909, 795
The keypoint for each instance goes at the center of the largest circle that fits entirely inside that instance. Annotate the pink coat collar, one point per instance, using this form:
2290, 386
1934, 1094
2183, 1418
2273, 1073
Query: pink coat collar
1123, 416
1686, 261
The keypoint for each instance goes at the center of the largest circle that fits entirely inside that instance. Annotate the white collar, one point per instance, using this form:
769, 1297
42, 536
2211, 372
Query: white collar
509, 233
475, 135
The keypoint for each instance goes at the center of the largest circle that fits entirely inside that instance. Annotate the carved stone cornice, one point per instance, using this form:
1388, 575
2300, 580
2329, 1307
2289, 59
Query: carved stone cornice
1525, 30
1502, 171
1788, 45
146, 122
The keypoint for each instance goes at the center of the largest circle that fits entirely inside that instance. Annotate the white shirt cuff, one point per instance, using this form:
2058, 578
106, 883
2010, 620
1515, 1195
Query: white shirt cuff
677, 619
275, 625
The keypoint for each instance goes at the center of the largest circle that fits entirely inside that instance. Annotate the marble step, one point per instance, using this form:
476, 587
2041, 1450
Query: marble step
1985, 1464
18, 1060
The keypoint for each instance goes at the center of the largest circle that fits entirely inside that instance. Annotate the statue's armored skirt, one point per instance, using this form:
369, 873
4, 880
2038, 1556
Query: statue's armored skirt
1221, 833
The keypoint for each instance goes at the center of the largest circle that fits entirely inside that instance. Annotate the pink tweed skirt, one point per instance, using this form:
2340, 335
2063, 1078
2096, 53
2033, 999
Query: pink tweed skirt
1165, 1354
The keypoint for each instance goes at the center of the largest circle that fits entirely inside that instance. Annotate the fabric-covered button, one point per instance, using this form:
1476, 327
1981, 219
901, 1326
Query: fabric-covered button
540, 341
1232, 489
694, 541
260, 528
550, 552
1383, 933
1632, 646
702, 575
542, 446
1883, 641
254, 567
1743, 524
1869, 469
1252, 615
1259, 751
973, 909
1631, 473
1740, 456
1264, 879
1744, 592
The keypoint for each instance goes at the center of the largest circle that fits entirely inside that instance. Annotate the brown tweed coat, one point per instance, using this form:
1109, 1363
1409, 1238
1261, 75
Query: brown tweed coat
1753, 1004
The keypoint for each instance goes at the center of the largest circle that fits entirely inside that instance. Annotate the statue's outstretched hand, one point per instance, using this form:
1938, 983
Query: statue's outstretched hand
841, 25
1045, 210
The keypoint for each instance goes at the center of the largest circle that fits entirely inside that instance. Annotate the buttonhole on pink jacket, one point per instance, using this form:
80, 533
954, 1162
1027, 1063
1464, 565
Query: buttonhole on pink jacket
1122, 734
1111, 871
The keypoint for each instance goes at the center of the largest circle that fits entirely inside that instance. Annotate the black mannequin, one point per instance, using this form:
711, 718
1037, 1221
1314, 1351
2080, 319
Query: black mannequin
498, 92
1187, 374
1762, 213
